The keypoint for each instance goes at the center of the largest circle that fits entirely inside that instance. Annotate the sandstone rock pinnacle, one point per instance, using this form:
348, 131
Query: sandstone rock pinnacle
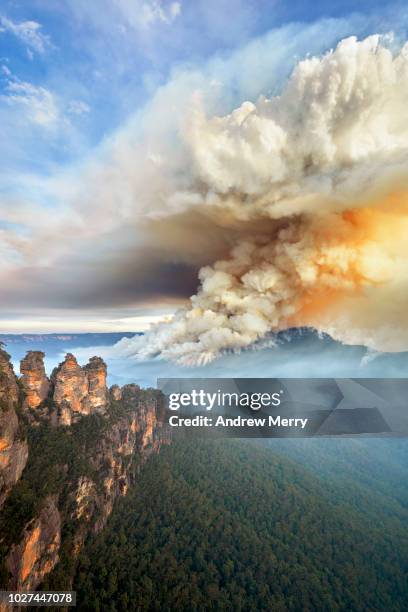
96, 373
35, 382
79, 390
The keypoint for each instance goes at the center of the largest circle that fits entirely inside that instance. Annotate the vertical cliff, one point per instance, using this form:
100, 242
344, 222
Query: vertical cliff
13, 446
9, 393
85, 446
37, 552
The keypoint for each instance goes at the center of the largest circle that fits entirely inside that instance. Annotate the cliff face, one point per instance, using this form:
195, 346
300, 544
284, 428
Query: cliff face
9, 393
13, 453
86, 446
13, 447
37, 553
135, 434
34, 379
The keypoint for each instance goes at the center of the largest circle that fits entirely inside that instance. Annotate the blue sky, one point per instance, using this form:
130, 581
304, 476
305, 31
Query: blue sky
74, 75
72, 72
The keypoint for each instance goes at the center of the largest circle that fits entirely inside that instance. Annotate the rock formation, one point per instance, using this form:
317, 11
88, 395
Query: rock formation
78, 391
9, 393
34, 379
37, 553
70, 388
97, 396
13, 452
115, 393
117, 431
13, 447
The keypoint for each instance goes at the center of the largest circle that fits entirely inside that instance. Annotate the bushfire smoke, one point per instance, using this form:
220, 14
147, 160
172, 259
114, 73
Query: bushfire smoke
322, 170
323, 167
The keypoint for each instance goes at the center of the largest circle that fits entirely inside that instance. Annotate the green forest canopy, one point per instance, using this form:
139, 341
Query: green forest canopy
232, 525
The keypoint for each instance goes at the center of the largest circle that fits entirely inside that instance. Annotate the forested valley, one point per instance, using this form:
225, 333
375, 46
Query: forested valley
234, 525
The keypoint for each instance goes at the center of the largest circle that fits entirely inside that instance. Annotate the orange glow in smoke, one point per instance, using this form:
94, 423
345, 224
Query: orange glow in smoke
358, 248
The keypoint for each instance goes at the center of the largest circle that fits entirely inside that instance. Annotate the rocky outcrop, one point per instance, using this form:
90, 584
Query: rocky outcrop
13, 446
138, 432
34, 379
73, 390
79, 391
84, 498
13, 452
115, 433
115, 393
9, 393
97, 396
148, 415
37, 554
70, 388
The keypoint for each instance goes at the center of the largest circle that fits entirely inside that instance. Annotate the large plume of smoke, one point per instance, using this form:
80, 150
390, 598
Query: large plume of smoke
315, 181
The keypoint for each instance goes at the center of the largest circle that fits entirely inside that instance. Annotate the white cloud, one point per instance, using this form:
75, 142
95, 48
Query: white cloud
143, 15
78, 107
153, 12
29, 33
175, 9
39, 104
55, 321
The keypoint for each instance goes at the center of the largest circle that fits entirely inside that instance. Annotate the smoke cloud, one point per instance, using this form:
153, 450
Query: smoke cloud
308, 191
